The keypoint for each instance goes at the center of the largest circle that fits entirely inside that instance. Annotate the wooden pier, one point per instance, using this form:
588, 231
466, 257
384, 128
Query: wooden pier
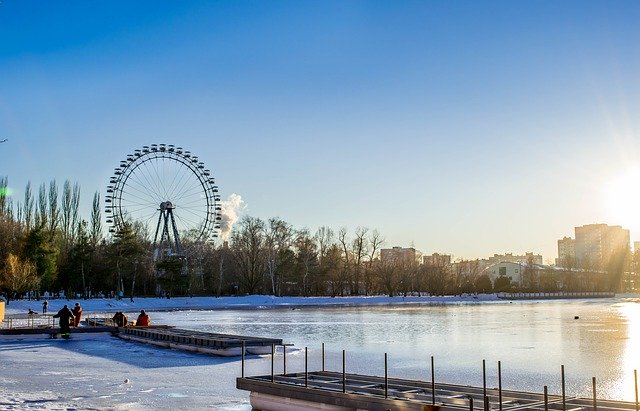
196, 341
335, 391
53, 332
163, 336
556, 295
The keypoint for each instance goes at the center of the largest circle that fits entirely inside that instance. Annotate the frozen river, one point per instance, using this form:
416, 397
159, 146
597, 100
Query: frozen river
531, 339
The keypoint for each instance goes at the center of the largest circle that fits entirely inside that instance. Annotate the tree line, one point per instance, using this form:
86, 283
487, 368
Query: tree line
45, 246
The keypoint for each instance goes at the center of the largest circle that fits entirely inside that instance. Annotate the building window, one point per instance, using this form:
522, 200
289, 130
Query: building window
503, 270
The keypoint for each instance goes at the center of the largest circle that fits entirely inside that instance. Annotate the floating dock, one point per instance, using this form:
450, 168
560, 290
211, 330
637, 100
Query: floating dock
164, 336
53, 332
196, 341
335, 391
556, 295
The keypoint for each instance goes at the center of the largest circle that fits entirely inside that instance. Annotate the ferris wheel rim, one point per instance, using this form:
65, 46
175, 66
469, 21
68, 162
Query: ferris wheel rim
208, 211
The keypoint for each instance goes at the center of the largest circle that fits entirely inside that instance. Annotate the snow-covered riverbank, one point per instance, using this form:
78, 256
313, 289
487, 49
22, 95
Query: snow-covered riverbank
17, 307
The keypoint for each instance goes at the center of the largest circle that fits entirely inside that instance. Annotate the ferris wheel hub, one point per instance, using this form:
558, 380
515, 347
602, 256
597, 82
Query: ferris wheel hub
166, 205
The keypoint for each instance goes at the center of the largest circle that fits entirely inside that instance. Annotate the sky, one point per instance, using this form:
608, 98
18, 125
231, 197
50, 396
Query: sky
467, 128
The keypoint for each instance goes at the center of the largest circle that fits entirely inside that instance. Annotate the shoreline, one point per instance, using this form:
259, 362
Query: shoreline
261, 302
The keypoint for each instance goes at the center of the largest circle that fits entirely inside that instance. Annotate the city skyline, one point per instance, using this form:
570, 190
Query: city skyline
467, 129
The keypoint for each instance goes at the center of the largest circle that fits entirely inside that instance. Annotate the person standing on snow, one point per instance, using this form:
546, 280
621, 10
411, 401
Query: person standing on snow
45, 305
65, 316
77, 314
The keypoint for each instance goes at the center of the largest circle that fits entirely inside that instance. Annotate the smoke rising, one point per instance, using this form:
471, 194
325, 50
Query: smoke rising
229, 214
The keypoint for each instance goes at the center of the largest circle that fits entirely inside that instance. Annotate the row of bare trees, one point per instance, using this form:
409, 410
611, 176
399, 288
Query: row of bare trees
45, 245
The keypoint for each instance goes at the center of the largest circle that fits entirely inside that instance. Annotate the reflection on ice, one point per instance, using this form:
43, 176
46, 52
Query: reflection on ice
531, 339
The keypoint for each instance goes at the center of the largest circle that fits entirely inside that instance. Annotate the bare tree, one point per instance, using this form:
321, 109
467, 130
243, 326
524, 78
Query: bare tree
54, 211
307, 255
387, 275
41, 214
278, 238
28, 206
346, 253
375, 242
325, 240
359, 250
248, 243
75, 214
65, 214
96, 220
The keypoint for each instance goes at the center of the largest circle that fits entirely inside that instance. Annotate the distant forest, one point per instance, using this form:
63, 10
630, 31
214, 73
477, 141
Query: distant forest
45, 246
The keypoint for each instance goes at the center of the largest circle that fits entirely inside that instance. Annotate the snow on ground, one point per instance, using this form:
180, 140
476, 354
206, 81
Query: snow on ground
98, 371
97, 305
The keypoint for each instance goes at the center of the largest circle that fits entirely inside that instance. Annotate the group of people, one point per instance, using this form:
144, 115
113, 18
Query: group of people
67, 317
121, 320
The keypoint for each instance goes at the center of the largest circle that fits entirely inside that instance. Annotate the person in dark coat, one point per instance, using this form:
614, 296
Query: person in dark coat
77, 314
120, 320
45, 305
65, 315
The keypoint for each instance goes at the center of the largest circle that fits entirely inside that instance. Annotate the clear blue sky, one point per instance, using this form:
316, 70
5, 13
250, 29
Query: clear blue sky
468, 128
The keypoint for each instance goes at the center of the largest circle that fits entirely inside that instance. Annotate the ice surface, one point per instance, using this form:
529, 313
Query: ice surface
532, 339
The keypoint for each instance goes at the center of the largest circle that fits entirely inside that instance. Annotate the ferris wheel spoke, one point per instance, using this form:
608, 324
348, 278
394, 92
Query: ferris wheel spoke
140, 209
142, 182
194, 206
153, 178
176, 178
191, 218
157, 175
193, 187
130, 195
179, 181
146, 185
186, 223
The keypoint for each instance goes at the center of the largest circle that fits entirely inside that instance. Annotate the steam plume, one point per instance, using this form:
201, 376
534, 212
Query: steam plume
229, 214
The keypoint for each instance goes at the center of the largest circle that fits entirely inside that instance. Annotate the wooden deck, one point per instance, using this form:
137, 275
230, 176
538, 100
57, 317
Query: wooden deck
54, 331
337, 391
163, 336
196, 341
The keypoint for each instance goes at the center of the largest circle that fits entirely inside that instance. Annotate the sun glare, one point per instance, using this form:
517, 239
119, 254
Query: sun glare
623, 200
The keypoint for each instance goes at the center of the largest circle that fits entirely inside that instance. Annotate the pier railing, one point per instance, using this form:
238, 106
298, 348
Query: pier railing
335, 389
555, 295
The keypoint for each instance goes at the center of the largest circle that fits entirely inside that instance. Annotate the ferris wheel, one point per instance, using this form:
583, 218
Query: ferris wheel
169, 192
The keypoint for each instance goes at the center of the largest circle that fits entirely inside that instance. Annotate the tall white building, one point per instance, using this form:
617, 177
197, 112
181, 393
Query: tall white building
595, 243
566, 252
398, 255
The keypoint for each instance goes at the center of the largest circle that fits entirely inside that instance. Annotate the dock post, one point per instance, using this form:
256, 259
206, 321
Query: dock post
470, 403
484, 381
242, 358
284, 359
273, 351
595, 403
386, 378
546, 399
344, 372
306, 368
499, 386
433, 382
635, 378
564, 398
322, 357
486, 403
